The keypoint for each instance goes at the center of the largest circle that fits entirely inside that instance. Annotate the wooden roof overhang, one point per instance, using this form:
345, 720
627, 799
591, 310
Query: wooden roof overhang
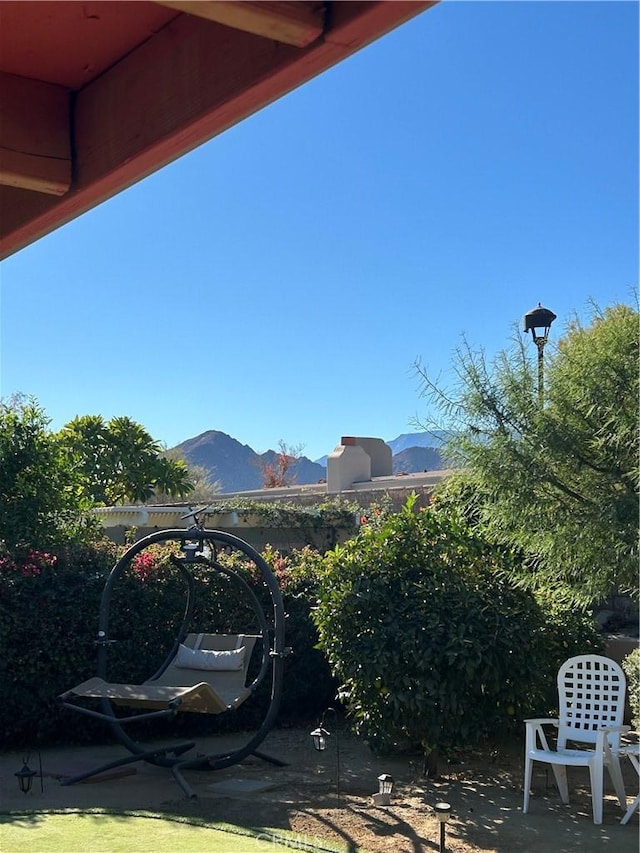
95, 96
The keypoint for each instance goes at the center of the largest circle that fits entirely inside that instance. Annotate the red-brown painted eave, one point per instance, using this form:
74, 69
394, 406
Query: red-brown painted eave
70, 43
353, 25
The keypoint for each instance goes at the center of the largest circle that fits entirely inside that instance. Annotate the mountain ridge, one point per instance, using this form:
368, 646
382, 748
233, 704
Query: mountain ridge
238, 468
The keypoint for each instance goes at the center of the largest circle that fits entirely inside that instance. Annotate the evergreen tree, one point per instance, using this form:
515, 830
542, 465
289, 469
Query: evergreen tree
561, 481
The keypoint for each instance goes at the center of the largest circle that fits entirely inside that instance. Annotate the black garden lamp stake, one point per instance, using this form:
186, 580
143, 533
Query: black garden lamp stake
443, 813
319, 737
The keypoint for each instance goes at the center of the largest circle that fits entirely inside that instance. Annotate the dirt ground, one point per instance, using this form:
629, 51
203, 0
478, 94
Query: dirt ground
485, 792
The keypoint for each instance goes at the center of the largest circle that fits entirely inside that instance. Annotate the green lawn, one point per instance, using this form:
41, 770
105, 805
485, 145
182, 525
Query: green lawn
95, 832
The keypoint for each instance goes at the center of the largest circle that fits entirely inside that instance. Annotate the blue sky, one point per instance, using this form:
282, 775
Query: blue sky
279, 282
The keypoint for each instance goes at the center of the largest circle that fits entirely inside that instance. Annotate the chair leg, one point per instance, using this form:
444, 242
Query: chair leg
629, 812
596, 772
560, 773
616, 777
635, 760
528, 766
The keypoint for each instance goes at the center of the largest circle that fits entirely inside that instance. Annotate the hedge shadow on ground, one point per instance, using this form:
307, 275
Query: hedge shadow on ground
484, 789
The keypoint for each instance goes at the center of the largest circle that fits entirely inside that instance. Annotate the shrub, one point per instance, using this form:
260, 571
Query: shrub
320, 526
432, 642
631, 667
48, 620
309, 686
41, 504
565, 629
49, 608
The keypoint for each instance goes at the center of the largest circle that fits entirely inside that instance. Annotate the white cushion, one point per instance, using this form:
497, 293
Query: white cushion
207, 659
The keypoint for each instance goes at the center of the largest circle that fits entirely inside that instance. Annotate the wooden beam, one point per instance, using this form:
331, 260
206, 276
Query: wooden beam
295, 23
35, 144
179, 89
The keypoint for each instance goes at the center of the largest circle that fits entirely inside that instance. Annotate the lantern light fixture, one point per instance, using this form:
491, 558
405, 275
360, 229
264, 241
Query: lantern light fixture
539, 318
25, 774
319, 737
25, 778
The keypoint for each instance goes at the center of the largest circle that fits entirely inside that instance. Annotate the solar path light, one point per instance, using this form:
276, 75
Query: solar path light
443, 813
385, 789
320, 737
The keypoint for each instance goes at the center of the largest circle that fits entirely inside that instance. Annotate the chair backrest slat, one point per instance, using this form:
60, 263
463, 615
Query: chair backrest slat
591, 692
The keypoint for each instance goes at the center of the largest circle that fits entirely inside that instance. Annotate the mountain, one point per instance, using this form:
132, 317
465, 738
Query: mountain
417, 439
304, 470
415, 459
407, 440
236, 466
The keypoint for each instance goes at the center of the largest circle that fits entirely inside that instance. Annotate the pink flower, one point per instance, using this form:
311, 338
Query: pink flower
143, 565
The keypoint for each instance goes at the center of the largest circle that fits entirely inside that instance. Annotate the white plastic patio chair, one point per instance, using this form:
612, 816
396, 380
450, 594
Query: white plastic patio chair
591, 692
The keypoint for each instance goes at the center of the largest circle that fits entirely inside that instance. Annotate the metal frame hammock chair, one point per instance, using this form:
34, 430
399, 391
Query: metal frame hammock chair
205, 673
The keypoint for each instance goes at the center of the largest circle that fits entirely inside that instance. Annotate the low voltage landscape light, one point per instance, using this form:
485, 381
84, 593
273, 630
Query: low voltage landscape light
443, 813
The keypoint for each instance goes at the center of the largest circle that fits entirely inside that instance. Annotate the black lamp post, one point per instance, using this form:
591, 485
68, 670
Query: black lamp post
538, 321
320, 738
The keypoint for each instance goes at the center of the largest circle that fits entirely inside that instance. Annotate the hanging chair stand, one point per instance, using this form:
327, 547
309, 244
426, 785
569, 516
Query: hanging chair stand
179, 685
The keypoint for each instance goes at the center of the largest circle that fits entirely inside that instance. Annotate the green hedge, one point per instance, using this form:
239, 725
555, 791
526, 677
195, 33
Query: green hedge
416, 617
49, 607
434, 644
48, 621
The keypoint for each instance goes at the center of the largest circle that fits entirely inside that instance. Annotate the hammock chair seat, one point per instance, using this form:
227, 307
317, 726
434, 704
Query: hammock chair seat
203, 691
